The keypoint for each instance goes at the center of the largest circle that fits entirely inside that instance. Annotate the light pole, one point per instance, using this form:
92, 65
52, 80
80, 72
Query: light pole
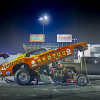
43, 19
74, 39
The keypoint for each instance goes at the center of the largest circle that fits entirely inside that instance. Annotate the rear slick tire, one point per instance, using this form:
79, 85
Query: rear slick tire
23, 76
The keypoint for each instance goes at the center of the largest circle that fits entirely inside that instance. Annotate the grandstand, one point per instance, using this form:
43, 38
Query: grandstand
36, 45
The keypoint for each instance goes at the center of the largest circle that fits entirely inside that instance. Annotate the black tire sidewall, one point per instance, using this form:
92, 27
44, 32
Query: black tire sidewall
28, 76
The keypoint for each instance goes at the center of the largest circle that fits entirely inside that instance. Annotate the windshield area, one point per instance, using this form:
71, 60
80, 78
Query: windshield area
35, 52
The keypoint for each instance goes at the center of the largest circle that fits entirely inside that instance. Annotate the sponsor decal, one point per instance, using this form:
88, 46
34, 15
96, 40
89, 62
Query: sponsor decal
64, 38
43, 59
49, 57
61, 37
3, 68
54, 56
22, 60
35, 57
36, 38
68, 50
10, 64
69, 53
63, 53
39, 61
8, 72
58, 54
34, 65
33, 62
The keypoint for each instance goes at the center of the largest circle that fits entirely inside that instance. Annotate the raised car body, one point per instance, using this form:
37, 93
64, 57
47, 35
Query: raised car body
33, 62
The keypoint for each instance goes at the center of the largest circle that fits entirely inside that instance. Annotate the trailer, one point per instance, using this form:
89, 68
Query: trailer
26, 67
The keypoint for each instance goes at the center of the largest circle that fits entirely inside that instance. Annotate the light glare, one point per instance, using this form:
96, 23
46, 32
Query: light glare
45, 17
41, 19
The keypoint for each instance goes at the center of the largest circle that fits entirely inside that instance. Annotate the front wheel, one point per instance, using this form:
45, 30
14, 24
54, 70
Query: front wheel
23, 76
82, 80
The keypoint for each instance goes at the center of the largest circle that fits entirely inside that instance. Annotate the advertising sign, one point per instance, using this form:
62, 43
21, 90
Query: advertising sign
64, 37
37, 38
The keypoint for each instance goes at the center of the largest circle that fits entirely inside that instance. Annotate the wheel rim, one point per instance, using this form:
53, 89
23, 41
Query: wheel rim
22, 77
82, 80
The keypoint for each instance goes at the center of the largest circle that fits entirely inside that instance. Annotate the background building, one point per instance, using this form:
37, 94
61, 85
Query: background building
93, 51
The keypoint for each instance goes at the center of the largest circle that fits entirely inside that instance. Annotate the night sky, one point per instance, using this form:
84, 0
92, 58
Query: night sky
20, 18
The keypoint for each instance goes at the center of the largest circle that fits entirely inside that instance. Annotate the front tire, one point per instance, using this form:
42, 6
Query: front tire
82, 80
23, 76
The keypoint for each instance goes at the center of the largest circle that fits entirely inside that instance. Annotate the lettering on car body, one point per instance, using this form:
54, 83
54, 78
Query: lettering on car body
39, 61
58, 54
43, 59
63, 53
54, 56
49, 57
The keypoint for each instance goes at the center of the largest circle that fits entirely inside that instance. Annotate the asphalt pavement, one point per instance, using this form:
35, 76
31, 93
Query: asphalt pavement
13, 91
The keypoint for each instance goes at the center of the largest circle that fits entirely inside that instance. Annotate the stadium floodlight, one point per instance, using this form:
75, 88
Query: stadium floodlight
43, 19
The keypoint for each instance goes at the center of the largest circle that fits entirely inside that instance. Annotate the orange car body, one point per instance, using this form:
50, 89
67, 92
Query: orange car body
41, 59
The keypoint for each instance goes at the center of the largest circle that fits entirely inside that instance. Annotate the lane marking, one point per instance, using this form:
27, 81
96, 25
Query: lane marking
56, 90
45, 89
